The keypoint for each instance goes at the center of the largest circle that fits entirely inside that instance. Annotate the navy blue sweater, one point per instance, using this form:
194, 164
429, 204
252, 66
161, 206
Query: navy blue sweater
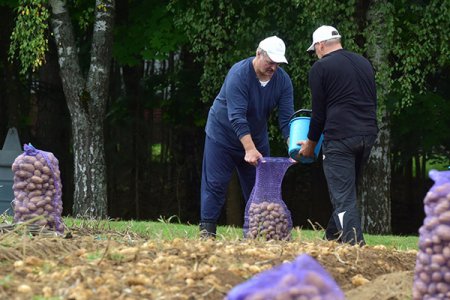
243, 106
344, 100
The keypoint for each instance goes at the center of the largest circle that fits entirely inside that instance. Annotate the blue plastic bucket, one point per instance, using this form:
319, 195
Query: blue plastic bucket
299, 127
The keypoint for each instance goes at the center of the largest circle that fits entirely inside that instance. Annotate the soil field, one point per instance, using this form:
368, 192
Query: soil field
84, 266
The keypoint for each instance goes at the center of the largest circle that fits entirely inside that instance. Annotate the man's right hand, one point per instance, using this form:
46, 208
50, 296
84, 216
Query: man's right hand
307, 148
252, 155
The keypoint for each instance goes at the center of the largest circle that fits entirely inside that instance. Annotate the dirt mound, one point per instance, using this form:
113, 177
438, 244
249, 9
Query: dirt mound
393, 286
128, 267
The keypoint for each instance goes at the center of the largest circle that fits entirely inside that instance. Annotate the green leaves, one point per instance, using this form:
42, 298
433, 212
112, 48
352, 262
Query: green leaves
147, 32
29, 38
420, 47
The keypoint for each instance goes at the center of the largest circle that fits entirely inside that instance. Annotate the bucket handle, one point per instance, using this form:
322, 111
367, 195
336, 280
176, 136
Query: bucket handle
303, 110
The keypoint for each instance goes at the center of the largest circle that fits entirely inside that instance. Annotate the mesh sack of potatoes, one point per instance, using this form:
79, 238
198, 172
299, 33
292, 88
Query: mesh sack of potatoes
432, 271
266, 214
37, 189
304, 278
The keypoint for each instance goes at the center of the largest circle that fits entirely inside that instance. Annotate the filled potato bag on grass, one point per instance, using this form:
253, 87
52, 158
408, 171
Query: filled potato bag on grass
432, 271
304, 278
266, 214
37, 189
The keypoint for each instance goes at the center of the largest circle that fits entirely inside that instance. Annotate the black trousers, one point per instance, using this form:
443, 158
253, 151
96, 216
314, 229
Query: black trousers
343, 162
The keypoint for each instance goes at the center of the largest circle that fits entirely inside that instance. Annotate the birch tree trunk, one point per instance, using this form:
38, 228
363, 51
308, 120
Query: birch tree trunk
86, 99
374, 190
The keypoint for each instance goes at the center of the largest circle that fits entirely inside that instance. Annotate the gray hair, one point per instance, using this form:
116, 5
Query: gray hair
333, 41
261, 51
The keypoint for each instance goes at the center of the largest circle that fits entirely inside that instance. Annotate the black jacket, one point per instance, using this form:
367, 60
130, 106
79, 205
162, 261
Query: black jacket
344, 100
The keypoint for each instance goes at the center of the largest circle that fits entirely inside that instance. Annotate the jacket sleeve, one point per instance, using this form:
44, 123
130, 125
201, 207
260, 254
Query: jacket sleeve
237, 103
318, 116
286, 106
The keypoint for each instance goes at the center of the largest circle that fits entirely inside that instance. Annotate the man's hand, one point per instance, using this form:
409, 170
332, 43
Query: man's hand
252, 155
307, 148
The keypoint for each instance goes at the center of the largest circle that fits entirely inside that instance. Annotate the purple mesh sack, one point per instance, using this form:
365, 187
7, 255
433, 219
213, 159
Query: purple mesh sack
266, 214
432, 271
304, 278
37, 189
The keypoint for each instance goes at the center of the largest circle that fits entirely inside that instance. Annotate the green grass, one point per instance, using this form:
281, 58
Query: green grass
167, 229
393, 241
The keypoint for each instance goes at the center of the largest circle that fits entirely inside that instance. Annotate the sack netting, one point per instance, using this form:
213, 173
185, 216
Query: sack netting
432, 271
266, 214
304, 278
37, 189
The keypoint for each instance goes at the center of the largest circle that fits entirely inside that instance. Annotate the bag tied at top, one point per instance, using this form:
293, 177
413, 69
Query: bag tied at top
266, 214
37, 189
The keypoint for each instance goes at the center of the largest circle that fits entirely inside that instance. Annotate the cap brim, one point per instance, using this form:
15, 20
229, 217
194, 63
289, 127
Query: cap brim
279, 59
311, 48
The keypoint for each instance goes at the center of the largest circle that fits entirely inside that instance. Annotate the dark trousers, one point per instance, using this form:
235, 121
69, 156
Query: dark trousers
218, 165
343, 163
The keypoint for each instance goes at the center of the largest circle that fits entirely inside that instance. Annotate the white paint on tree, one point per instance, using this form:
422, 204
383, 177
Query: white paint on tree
100, 26
58, 6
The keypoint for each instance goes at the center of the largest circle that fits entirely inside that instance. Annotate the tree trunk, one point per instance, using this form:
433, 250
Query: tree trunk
374, 190
86, 100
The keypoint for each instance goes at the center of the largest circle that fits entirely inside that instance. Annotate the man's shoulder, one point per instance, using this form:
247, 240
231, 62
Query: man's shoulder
242, 64
241, 67
353, 55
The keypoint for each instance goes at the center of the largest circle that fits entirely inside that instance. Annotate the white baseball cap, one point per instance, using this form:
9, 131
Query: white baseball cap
323, 33
275, 48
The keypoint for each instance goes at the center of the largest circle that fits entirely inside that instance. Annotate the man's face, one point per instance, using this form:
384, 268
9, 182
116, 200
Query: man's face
319, 49
267, 67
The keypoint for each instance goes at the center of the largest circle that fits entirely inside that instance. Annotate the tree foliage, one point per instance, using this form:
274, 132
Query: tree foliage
146, 33
223, 32
29, 39
421, 46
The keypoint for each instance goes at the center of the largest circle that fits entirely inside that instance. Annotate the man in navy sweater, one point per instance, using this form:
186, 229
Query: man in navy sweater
237, 129
344, 106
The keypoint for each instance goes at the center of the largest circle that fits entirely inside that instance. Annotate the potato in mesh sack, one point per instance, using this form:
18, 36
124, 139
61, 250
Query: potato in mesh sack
37, 188
432, 271
266, 214
304, 278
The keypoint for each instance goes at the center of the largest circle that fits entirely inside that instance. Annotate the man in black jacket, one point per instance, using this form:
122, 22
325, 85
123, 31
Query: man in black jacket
344, 105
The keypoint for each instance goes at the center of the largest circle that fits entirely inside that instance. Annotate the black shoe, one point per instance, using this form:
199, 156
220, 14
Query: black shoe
207, 230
